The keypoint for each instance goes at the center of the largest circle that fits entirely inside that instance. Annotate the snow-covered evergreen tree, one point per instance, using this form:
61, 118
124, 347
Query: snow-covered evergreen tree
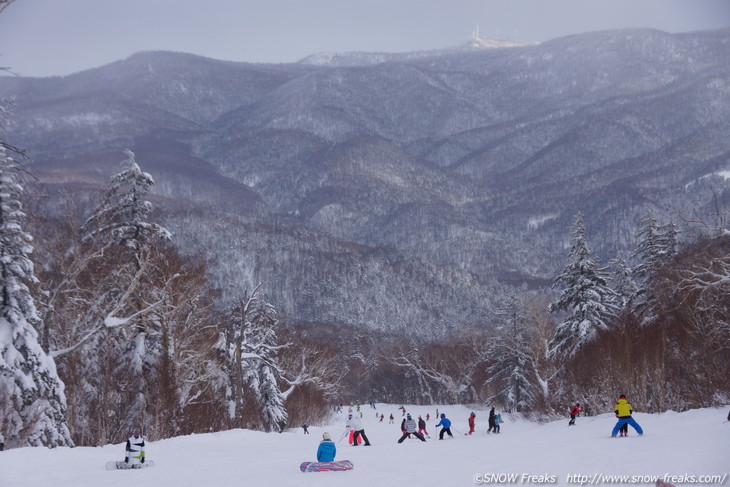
512, 372
657, 246
264, 372
248, 346
513, 369
123, 215
622, 283
586, 298
122, 219
31, 393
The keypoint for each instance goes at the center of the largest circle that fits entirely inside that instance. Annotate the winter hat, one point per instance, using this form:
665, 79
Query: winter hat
622, 396
326, 436
472, 413
408, 415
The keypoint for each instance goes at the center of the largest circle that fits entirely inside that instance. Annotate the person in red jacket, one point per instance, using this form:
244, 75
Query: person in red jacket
472, 416
573, 413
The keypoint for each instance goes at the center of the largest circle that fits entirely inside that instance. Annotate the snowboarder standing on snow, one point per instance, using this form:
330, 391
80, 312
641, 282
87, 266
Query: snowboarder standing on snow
472, 416
422, 427
445, 424
306, 429
492, 426
327, 450
134, 451
573, 413
355, 424
623, 412
409, 428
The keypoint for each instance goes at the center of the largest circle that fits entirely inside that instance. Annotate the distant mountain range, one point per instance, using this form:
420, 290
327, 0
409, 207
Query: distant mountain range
404, 192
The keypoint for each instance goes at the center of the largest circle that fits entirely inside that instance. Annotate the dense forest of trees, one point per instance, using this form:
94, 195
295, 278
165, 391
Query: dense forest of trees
115, 329
106, 326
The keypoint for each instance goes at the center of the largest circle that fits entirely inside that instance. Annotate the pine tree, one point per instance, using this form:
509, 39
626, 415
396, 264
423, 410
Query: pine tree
123, 215
513, 369
31, 393
122, 220
622, 283
266, 374
657, 246
586, 298
248, 347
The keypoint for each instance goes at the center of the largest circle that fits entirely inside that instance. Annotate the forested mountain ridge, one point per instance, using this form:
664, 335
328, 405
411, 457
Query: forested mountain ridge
398, 195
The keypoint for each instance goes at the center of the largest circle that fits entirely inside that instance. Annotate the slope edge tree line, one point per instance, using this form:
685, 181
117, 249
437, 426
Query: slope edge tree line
111, 329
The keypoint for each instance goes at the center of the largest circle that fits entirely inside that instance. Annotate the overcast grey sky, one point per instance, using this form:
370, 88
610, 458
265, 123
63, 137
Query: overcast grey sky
57, 37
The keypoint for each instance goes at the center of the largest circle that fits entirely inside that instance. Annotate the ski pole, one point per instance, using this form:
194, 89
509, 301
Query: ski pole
343, 435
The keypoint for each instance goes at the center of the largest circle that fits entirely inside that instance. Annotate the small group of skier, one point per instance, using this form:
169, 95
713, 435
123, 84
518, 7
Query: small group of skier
408, 425
622, 410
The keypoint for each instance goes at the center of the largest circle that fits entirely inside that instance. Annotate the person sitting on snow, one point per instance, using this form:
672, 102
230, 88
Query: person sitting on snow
134, 451
327, 449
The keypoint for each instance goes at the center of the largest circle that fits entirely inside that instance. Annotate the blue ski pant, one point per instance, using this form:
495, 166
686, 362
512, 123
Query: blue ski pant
629, 420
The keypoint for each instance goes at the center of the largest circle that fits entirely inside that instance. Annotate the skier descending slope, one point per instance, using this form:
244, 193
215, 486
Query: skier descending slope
623, 412
574, 411
445, 424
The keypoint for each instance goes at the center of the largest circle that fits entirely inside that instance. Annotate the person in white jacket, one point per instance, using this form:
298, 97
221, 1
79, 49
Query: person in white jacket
355, 424
409, 428
134, 451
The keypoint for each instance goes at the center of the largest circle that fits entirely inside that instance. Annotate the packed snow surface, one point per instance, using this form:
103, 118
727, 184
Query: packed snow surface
689, 448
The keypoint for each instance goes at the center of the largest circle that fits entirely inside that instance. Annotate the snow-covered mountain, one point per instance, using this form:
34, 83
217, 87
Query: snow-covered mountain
475, 42
400, 195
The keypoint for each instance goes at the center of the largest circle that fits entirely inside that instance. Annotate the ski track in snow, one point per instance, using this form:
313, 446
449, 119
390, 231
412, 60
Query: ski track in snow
691, 443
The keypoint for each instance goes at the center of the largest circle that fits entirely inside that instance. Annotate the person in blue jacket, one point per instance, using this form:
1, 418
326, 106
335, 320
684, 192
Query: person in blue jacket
445, 424
327, 449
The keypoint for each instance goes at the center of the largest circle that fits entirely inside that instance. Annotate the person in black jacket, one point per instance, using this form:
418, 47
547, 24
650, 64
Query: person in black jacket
492, 426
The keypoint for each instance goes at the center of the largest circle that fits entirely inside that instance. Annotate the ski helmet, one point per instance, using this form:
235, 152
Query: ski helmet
443, 415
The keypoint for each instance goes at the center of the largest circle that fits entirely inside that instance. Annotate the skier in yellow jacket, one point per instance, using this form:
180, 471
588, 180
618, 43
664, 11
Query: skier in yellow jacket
623, 412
